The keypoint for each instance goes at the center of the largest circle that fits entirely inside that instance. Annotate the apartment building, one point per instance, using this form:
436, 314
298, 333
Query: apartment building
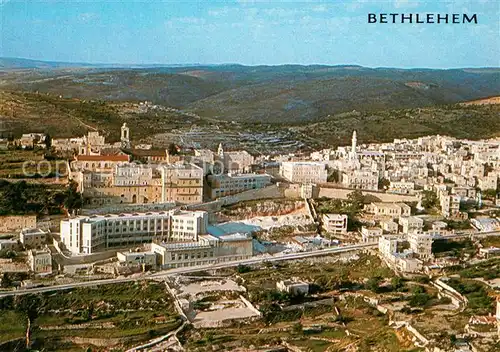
360, 179
389, 210
30, 140
488, 182
335, 223
33, 238
389, 244
371, 234
450, 205
464, 192
226, 185
91, 234
40, 261
421, 244
411, 224
304, 172
181, 183
389, 226
187, 225
401, 187
390, 248
207, 249
10, 245
237, 161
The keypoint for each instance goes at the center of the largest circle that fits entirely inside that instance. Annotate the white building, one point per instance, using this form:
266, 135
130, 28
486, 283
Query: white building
10, 245
421, 244
207, 249
40, 261
90, 234
450, 205
371, 234
293, 287
304, 172
389, 226
307, 190
335, 223
389, 210
401, 187
131, 174
408, 264
187, 225
484, 224
182, 183
136, 258
33, 238
388, 245
360, 179
411, 224
237, 161
226, 185
488, 182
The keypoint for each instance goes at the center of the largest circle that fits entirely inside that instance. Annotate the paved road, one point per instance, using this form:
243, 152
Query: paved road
471, 234
171, 272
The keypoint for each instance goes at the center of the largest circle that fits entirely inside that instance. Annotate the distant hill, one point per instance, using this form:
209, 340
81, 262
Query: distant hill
276, 94
19, 63
466, 122
22, 112
485, 101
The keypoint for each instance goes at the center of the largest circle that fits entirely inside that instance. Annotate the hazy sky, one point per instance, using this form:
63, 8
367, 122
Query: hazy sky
248, 32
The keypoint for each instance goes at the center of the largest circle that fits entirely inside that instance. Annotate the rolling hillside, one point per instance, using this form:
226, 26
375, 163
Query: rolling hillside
467, 122
23, 112
277, 94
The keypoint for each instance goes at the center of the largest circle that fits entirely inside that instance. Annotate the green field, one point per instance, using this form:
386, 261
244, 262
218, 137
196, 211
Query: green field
138, 311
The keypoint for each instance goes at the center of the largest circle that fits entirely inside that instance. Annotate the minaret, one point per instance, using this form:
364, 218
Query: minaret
353, 143
125, 136
220, 151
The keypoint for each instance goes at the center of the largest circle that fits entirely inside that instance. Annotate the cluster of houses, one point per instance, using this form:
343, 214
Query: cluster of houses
122, 174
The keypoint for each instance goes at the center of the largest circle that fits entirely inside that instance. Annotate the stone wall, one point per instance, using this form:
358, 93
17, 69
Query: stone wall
15, 223
269, 192
423, 340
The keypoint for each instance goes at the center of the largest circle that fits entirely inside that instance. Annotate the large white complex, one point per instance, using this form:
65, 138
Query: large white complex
304, 172
207, 249
226, 185
90, 234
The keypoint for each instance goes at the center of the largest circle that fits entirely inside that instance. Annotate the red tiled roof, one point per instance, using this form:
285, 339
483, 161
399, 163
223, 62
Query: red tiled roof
124, 158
